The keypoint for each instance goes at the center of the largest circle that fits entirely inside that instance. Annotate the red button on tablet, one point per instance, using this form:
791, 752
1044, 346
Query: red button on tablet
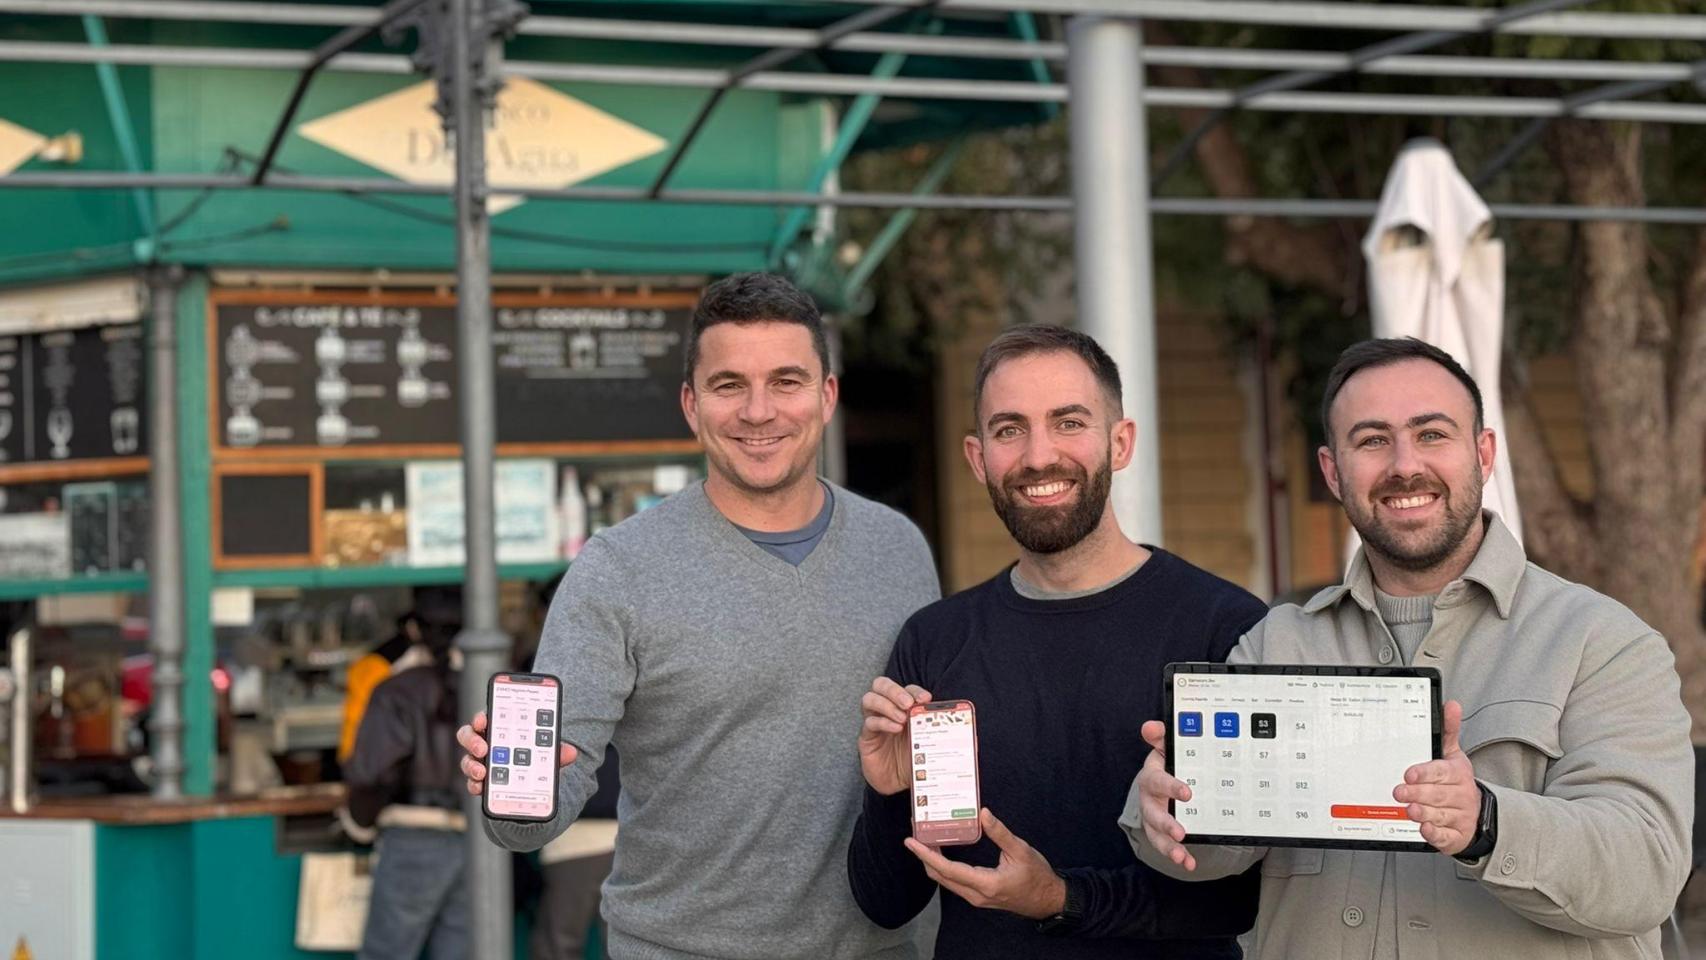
1347, 811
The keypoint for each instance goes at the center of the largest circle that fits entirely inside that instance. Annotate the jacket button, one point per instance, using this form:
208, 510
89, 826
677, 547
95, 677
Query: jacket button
1385, 655
1353, 916
1508, 865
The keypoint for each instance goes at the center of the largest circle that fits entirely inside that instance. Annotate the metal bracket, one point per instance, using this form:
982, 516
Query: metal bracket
434, 55
341, 41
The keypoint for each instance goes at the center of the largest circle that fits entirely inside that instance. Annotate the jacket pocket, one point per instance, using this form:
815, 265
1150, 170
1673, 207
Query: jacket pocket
1530, 722
1292, 861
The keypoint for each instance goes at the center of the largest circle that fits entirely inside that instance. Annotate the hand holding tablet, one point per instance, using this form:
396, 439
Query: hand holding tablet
1299, 755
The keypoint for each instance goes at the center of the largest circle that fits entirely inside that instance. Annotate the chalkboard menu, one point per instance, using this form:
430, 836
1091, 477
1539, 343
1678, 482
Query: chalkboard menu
589, 373
265, 516
109, 525
332, 375
72, 395
354, 374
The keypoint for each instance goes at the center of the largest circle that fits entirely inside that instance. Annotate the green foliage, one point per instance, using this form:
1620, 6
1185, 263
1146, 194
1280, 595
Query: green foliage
1023, 250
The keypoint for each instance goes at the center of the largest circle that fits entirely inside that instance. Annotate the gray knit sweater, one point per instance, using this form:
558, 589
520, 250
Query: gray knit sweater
730, 682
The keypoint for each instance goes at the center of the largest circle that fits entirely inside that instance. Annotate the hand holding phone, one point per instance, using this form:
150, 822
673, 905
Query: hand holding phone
522, 757
946, 797
884, 755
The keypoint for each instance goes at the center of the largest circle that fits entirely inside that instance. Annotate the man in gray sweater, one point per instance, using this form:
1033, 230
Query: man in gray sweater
721, 640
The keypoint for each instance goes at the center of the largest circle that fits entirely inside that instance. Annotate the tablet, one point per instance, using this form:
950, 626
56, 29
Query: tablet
1299, 756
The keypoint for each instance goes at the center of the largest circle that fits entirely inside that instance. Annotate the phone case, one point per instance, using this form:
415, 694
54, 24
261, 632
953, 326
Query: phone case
556, 753
952, 833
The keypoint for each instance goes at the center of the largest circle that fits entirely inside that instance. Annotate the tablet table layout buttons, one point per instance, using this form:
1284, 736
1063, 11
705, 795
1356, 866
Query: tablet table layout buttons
1226, 725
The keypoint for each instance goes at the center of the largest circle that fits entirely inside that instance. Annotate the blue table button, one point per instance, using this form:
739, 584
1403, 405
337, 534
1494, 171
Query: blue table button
1190, 724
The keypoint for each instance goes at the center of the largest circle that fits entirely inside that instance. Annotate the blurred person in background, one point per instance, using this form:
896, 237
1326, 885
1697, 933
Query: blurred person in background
403, 778
399, 653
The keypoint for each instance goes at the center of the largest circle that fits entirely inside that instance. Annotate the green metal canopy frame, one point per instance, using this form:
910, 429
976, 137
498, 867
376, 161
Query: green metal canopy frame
910, 70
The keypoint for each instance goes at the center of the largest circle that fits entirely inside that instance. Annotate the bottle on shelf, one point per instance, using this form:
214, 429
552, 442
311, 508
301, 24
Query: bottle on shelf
574, 514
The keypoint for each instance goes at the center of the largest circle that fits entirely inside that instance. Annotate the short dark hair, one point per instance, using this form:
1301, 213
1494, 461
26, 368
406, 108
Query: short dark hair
1046, 338
754, 298
1383, 352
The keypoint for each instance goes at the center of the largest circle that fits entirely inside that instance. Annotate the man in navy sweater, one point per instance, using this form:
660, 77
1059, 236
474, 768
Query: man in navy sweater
1061, 655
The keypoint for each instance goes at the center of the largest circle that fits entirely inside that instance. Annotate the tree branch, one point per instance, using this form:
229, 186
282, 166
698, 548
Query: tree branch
1297, 256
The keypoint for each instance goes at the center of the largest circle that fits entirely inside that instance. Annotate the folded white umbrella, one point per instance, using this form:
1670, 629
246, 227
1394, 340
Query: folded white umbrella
1435, 272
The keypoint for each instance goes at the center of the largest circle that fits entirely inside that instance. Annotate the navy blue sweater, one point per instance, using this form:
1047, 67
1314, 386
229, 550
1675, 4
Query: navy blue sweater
1062, 688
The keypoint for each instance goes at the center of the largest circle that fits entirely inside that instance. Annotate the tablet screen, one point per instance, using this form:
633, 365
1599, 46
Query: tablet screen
1310, 759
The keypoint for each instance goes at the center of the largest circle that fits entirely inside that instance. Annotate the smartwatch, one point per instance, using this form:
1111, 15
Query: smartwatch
1486, 828
1067, 919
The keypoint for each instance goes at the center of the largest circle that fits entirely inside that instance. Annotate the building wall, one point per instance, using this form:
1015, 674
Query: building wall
1206, 485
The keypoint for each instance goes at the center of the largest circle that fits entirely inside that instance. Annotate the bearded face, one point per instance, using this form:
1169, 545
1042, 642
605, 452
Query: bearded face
1050, 510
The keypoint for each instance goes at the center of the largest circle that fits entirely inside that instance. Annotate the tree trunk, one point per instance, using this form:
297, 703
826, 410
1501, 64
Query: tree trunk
1557, 528
1626, 355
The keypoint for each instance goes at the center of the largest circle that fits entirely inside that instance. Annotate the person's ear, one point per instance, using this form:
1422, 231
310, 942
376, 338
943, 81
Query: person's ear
1329, 470
689, 408
974, 456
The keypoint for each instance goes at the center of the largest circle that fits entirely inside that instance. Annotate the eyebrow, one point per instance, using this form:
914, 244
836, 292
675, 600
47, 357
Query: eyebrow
1009, 416
1415, 421
798, 372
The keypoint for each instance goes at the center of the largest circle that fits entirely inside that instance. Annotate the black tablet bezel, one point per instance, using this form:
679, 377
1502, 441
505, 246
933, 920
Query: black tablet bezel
1300, 670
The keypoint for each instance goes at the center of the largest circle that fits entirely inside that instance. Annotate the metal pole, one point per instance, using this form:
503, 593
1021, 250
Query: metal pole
1110, 191
165, 538
1205, 58
485, 649
1319, 15
1409, 43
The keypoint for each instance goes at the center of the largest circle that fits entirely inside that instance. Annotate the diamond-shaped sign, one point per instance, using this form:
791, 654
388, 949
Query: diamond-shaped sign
17, 145
539, 138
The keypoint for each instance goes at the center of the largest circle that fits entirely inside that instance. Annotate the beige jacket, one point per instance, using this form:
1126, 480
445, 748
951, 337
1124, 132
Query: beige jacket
1572, 716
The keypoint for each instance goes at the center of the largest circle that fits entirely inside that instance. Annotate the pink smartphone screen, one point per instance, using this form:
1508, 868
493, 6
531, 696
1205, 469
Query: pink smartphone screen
944, 765
521, 770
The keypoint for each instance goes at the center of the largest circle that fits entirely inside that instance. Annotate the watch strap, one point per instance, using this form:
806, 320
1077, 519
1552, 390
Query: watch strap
1486, 828
1070, 914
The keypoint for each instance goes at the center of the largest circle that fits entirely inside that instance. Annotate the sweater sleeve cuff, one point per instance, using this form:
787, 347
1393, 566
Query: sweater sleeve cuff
889, 816
520, 837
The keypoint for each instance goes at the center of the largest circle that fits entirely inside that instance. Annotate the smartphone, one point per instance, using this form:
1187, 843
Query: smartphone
942, 738
522, 711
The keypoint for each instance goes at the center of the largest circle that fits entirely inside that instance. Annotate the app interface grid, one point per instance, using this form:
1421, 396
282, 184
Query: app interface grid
944, 765
521, 770
1298, 757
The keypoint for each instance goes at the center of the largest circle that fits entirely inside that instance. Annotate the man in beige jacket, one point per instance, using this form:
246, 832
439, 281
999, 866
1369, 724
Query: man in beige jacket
1562, 804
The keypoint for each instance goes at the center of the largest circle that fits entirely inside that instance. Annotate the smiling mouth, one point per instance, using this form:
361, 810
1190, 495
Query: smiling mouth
758, 443
1411, 502
1051, 491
